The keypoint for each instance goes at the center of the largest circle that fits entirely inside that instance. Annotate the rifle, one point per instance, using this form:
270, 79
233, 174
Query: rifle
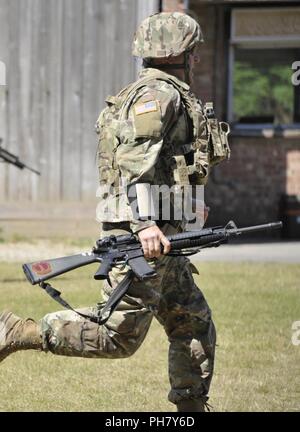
14, 160
124, 250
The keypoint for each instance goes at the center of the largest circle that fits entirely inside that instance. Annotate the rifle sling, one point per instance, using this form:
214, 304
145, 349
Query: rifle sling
106, 311
115, 297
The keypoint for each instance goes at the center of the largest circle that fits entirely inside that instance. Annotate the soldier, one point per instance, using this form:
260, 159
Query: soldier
155, 131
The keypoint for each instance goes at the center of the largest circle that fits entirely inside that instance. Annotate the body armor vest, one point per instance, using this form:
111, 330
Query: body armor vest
209, 144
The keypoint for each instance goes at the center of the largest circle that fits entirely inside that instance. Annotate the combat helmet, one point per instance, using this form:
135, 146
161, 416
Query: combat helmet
166, 34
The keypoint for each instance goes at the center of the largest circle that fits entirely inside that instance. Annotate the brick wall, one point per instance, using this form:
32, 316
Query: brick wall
248, 187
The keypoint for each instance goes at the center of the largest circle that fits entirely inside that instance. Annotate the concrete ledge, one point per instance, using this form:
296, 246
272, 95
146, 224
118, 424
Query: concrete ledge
281, 251
29, 221
27, 210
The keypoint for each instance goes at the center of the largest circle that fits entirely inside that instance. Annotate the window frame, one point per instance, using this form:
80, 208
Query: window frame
256, 42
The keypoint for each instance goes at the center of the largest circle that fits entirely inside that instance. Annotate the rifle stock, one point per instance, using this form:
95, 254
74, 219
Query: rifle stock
41, 271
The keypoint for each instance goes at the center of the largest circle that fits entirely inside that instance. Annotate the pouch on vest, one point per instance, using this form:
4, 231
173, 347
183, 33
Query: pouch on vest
218, 131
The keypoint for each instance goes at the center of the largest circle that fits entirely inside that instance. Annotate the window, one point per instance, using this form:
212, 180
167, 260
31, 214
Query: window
263, 49
262, 87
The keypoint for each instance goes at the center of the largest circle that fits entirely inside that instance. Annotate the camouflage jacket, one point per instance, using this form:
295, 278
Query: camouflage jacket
146, 136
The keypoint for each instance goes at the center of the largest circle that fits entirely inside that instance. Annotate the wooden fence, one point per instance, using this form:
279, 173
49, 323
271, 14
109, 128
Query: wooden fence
62, 58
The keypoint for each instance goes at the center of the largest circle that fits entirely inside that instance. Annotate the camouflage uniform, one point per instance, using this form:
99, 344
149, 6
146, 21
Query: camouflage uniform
152, 126
179, 306
158, 116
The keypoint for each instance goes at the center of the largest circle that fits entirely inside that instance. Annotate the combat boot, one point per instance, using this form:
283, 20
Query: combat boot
18, 334
191, 405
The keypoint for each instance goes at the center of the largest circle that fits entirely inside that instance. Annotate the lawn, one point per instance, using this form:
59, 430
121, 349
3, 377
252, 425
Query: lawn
257, 366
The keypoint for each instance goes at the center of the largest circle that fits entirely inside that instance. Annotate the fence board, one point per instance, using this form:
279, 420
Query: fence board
26, 149
4, 49
54, 89
92, 95
14, 124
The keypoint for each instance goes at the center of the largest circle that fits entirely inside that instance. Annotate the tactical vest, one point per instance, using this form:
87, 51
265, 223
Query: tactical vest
209, 143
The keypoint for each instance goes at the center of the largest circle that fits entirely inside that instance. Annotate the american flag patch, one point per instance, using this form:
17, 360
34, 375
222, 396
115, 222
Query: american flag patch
146, 107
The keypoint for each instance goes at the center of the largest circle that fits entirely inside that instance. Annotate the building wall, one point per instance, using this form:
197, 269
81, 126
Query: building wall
248, 188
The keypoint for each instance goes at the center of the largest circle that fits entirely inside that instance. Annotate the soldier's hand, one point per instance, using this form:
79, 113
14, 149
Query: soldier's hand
151, 239
206, 212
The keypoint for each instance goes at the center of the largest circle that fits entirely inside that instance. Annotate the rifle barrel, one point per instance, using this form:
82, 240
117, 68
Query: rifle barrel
213, 235
32, 169
255, 228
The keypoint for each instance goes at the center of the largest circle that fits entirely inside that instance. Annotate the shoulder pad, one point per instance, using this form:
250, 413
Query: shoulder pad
154, 108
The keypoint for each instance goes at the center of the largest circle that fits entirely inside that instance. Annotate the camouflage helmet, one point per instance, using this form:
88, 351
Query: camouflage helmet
166, 34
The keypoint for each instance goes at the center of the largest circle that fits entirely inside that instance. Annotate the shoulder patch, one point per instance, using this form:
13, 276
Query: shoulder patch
146, 107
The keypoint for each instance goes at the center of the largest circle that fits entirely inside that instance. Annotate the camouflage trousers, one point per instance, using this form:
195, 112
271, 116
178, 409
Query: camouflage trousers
173, 299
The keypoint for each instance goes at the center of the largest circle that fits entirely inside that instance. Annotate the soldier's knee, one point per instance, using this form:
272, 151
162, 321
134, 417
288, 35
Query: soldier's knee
129, 349
48, 336
204, 341
47, 319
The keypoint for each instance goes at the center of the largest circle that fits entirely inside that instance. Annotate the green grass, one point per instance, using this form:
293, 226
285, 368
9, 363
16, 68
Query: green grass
257, 367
